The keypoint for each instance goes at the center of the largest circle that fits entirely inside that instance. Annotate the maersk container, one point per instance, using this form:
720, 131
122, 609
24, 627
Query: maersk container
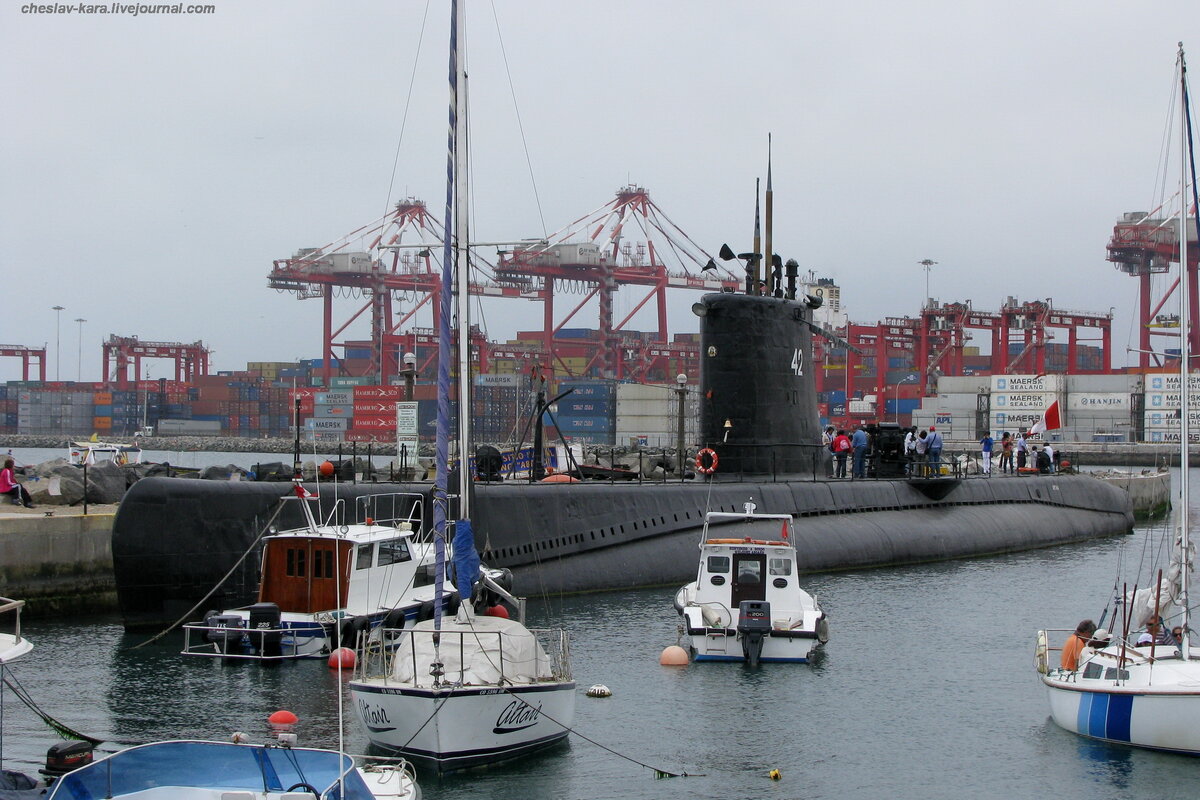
601, 390
599, 424
569, 407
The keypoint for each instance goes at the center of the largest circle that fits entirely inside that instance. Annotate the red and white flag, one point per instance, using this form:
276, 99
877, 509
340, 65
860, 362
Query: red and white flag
304, 494
1051, 420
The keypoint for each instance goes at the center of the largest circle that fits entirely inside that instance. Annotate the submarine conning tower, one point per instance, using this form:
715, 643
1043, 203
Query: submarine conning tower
758, 397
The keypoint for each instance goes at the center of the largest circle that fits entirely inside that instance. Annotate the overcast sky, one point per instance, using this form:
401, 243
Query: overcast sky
154, 167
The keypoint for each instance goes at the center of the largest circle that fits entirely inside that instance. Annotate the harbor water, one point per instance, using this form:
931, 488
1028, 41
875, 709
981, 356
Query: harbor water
926, 689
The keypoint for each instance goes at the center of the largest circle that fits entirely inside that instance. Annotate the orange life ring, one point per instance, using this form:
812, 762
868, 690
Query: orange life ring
712, 467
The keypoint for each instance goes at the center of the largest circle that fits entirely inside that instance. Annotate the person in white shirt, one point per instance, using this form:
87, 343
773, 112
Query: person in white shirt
1050, 454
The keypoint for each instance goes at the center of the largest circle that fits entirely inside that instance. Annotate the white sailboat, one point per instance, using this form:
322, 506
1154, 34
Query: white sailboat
476, 689
1146, 695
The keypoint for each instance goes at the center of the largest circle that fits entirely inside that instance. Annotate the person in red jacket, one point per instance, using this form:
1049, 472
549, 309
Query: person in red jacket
841, 449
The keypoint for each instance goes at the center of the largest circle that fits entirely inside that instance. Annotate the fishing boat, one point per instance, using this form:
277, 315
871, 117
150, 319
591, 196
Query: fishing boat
478, 688
1144, 690
746, 603
325, 582
202, 770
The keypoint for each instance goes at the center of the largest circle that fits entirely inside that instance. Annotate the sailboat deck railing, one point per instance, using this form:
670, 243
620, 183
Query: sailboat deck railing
7, 605
379, 657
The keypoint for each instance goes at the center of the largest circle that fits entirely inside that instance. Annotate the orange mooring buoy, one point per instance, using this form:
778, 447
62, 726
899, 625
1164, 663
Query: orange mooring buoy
342, 657
673, 656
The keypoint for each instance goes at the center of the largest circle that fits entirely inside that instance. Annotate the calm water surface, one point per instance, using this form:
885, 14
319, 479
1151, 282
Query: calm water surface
926, 689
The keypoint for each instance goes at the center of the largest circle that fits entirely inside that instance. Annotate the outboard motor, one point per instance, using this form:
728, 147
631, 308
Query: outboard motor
266, 617
229, 638
754, 622
66, 756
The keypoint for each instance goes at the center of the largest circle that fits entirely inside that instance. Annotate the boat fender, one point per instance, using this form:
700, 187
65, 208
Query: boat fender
706, 467
426, 611
1041, 658
350, 630
823, 630
452, 604
394, 619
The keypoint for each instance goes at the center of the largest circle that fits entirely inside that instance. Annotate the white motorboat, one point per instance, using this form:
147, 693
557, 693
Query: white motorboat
200, 770
477, 689
1143, 695
746, 603
93, 451
325, 583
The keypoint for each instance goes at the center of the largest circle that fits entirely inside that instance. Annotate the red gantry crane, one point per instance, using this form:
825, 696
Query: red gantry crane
121, 352
27, 354
1144, 244
394, 262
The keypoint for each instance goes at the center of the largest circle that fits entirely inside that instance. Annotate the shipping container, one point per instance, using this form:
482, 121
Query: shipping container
186, 427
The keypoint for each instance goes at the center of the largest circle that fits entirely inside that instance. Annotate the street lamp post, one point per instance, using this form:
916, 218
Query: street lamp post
681, 395
79, 355
57, 341
927, 264
897, 396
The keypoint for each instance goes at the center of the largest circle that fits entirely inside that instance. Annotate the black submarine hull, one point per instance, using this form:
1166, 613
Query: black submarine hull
175, 539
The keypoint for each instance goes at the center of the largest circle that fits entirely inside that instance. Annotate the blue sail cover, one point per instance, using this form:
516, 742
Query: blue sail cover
466, 558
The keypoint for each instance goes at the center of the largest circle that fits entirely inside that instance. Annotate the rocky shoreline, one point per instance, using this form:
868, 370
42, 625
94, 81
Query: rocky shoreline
187, 444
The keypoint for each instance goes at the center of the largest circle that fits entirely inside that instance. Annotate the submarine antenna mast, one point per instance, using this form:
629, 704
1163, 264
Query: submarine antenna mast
752, 268
768, 261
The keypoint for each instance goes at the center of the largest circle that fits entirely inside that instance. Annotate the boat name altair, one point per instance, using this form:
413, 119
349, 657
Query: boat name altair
374, 717
517, 716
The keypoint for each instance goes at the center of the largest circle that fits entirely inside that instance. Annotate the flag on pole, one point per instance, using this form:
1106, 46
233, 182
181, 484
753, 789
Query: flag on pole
304, 494
1051, 420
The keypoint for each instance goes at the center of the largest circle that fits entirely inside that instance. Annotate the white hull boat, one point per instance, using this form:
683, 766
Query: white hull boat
1151, 701
746, 603
329, 582
1143, 690
500, 690
475, 689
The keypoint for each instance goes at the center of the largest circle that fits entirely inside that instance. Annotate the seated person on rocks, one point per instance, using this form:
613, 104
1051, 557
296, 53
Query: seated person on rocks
9, 486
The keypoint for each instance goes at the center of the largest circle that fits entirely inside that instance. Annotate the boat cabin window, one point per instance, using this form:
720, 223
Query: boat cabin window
780, 566
322, 563
1092, 671
393, 552
718, 564
749, 572
295, 562
425, 575
366, 553
1114, 674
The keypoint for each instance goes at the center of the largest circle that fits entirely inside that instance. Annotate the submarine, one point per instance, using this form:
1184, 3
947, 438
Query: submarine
174, 540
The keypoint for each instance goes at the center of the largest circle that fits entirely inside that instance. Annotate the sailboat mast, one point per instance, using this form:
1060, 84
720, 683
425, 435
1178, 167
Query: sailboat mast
1185, 328
462, 275
442, 447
